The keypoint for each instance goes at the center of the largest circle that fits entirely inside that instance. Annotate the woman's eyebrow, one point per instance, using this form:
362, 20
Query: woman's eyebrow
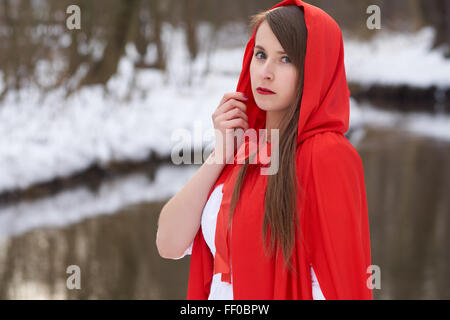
260, 47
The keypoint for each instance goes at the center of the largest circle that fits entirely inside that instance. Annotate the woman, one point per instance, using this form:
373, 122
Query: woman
303, 232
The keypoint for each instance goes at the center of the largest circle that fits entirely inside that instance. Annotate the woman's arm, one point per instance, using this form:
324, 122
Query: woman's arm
180, 217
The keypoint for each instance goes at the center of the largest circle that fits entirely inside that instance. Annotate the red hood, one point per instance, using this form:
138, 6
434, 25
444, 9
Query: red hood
325, 100
333, 209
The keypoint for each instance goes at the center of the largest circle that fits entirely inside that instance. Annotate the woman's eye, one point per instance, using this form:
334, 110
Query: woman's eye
256, 55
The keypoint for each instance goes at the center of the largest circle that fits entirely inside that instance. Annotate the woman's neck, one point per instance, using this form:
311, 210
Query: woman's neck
273, 119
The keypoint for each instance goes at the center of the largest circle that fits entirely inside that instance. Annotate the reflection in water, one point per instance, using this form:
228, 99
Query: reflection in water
116, 254
407, 180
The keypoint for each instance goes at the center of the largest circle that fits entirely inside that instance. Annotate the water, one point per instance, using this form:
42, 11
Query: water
407, 184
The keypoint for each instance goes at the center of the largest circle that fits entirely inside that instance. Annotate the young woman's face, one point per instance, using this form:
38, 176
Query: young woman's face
273, 70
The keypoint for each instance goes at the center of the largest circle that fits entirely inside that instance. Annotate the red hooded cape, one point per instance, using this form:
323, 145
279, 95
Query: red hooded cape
332, 207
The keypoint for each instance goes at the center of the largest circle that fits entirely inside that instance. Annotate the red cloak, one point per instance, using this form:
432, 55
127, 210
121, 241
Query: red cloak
332, 210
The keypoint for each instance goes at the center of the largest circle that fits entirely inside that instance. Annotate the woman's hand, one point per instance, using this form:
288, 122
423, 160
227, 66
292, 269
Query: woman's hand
229, 116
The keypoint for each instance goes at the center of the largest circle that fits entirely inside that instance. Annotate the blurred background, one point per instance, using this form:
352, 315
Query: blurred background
87, 117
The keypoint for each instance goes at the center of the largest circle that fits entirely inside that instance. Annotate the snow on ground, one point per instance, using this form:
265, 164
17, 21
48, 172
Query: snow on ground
41, 139
392, 58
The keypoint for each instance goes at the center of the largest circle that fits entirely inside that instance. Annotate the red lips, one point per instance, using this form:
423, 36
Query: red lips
262, 90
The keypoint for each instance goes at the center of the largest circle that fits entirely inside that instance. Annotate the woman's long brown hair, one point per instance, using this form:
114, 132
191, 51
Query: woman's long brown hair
280, 202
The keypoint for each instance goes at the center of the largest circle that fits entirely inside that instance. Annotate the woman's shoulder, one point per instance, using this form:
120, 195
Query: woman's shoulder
329, 149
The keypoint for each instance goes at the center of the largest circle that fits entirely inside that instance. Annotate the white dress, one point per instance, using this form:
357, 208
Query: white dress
221, 290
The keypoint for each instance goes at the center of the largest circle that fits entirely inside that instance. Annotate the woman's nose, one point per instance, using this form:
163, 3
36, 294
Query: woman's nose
267, 71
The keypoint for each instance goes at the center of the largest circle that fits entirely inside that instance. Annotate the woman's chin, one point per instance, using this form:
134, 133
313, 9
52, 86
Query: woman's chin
265, 107
261, 105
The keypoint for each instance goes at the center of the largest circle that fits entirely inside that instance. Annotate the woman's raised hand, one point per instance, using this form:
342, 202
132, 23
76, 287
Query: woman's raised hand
229, 116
